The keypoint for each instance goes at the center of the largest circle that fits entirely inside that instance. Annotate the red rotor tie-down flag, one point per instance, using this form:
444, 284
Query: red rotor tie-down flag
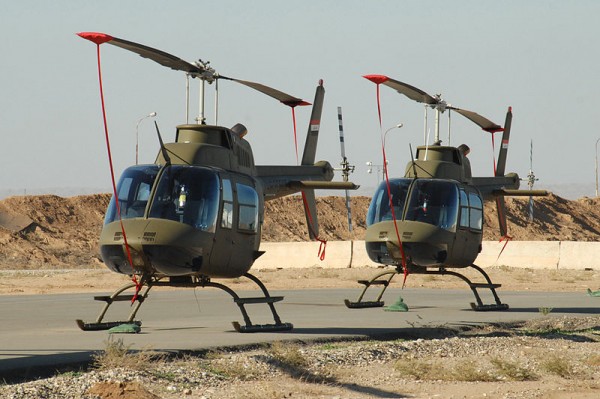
378, 80
98, 39
323, 245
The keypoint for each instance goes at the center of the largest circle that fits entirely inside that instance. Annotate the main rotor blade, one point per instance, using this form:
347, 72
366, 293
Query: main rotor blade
269, 91
153, 54
501, 166
409, 91
483, 122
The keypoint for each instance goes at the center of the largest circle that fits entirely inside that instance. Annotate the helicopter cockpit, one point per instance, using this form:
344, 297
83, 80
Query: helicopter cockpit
432, 201
185, 194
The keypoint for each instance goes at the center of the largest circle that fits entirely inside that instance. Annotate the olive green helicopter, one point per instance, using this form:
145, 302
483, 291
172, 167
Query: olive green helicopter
197, 212
431, 220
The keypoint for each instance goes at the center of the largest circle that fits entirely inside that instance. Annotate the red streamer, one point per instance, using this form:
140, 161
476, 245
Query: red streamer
99, 40
378, 79
323, 245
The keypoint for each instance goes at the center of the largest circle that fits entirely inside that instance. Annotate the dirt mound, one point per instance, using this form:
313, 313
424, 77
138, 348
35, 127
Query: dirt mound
63, 231
555, 218
54, 232
120, 390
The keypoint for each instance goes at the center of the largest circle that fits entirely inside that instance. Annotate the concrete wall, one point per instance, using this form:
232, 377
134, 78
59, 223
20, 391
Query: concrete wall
527, 254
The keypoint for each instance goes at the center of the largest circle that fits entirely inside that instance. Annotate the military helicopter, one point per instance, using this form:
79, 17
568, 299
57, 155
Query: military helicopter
197, 212
431, 220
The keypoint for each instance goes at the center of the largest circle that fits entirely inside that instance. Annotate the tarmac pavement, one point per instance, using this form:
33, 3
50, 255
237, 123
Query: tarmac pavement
40, 331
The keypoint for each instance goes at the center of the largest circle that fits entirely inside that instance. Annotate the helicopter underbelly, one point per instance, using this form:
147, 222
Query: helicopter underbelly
423, 244
165, 247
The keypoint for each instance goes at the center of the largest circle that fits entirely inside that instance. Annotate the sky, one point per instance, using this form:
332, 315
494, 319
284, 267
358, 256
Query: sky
540, 57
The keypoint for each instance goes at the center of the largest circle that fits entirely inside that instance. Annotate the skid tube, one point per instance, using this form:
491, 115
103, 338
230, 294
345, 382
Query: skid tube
192, 281
441, 271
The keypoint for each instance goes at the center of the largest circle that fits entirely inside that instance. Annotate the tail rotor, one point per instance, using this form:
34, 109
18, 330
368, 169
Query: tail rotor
346, 167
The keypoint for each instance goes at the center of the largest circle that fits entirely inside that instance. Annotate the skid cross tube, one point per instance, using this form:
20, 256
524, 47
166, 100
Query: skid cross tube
377, 303
116, 297
441, 271
193, 281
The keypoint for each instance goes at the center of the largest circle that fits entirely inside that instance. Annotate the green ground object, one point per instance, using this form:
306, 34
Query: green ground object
125, 329
398, 306
593, 293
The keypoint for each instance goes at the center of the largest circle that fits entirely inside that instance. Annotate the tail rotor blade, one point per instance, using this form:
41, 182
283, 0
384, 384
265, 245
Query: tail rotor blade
310, 211
349, 209
501, 166
346, 167
312, 136
501, 207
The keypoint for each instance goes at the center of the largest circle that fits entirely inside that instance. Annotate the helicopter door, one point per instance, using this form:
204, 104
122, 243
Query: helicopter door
248, 227
470, 228
238, 235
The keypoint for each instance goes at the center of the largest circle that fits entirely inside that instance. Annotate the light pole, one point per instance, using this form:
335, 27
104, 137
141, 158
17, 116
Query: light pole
398, 126
597, 167
137, 136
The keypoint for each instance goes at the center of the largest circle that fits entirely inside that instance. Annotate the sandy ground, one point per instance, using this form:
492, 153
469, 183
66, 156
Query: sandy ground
97, 280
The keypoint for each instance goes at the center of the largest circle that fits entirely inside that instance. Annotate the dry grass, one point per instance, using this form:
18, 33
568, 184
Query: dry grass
558, 365
116, 355
289, 355
513, 371
465, 370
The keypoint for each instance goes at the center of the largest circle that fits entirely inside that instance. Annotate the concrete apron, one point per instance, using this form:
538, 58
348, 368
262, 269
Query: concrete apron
526, 254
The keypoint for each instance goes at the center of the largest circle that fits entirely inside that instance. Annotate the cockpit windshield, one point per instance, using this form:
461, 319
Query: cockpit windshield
133, 192
434, 202
187, 194
379, 210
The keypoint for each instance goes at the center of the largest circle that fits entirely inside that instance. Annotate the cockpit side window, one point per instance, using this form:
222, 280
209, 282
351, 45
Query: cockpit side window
471, 210
133, 191
434, 202
476, 212
248, 208
227, 215
187, 194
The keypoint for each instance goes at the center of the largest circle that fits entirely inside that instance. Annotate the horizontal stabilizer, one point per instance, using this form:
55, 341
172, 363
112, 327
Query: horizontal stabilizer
322, 185
520, 193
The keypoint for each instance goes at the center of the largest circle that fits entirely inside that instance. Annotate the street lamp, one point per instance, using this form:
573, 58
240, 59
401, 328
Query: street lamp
597, 167
150, 115
398, 126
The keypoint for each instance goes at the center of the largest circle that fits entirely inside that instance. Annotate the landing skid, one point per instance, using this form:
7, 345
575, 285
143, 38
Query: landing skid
377, 303
479, 306
202, 281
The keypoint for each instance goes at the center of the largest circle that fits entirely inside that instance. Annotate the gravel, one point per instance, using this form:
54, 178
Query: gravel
545, 357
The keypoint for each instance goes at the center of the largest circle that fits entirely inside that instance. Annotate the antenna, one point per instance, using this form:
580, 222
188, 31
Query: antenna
412, 157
